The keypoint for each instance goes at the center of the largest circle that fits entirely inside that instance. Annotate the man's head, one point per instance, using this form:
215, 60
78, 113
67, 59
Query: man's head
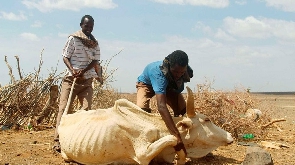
178, 61
87, 23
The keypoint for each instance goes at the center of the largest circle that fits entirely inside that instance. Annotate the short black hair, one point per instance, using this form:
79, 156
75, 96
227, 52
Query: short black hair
178, 57
86, 16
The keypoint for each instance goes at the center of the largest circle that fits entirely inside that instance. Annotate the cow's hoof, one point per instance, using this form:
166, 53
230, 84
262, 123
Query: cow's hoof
56, 147
209, 155
182, 162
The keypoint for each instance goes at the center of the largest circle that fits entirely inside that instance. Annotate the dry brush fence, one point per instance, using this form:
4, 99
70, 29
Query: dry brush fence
228, 110
33, 99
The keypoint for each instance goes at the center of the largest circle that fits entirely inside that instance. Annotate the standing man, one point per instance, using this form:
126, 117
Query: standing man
165, 79
81, 55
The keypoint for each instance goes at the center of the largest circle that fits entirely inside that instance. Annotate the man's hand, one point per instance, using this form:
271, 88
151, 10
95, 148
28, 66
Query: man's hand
78, 72
180, 146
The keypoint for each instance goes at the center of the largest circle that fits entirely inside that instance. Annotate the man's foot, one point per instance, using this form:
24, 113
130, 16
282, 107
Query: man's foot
56, 147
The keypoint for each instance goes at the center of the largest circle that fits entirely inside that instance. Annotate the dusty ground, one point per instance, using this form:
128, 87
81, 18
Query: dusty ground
34, 147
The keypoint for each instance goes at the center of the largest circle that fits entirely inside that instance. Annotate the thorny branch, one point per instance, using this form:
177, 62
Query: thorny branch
18, 67
12, 79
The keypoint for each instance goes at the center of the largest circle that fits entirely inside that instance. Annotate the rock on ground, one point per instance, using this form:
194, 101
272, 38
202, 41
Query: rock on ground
257, 156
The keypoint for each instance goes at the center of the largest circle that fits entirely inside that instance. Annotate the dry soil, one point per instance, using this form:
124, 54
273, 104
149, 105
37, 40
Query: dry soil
34, 147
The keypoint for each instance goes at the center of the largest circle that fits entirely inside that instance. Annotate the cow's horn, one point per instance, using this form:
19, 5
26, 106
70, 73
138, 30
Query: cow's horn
190, 105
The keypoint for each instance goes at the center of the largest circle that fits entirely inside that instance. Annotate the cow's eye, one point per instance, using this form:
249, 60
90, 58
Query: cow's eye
207, 119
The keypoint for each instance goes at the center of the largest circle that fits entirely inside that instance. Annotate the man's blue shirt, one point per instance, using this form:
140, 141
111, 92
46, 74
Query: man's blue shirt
152, 75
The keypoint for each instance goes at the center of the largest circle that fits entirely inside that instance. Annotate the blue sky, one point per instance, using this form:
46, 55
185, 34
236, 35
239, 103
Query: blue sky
231, 43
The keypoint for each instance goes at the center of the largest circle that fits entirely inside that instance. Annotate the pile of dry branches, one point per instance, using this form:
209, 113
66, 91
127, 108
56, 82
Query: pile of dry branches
32, 98
27, 97
228, 109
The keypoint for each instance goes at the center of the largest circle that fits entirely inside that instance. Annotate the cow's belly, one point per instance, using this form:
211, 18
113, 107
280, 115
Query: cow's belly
91, 141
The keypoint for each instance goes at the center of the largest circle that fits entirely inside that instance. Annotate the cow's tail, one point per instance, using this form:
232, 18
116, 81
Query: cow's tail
70, 98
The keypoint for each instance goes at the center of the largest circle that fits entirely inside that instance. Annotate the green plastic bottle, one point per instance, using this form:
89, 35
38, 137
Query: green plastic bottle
30, 127
248, 136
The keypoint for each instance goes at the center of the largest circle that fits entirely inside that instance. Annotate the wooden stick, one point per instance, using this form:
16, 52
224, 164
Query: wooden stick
70, 98
273, 121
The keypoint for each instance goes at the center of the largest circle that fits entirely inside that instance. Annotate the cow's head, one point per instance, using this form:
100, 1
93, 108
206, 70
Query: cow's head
200, 135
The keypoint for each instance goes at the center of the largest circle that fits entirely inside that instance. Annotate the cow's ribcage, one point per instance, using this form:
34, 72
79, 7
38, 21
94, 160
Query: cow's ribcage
101, 136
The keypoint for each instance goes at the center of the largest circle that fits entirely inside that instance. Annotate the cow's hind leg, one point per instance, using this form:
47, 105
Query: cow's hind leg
155, 148
65, 157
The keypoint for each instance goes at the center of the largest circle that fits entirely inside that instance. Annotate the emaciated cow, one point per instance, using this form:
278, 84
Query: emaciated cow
126, 134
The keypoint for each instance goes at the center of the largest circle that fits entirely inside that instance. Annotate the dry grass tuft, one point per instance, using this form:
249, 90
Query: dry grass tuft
227, 110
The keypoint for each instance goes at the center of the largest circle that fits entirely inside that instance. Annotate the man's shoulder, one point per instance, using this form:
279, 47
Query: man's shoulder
154, 67
70, 39
155, 64
73, 38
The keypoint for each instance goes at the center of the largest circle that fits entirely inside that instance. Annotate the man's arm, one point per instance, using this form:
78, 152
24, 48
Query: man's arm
78, 72
163, 110
89, 66
69, 65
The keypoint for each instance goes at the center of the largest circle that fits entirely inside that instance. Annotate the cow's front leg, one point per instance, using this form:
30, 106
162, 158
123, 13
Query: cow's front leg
154, 149
181, 158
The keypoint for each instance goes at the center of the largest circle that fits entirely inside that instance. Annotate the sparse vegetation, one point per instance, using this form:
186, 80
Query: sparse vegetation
227, 109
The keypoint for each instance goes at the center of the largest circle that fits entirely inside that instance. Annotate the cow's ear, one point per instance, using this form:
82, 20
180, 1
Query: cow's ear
184, 124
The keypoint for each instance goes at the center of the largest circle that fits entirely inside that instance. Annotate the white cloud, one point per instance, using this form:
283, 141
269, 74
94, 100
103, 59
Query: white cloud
261, 28
75, 5
209, 3
37, 24
285, 5
30, 36
207, 30
220, 34
241, 2
12, 16
200, 26
284, 30
243, 55
249, 27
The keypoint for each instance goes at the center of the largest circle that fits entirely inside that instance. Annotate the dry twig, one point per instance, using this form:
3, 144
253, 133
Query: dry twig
273, 121
18, 68
10, 71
